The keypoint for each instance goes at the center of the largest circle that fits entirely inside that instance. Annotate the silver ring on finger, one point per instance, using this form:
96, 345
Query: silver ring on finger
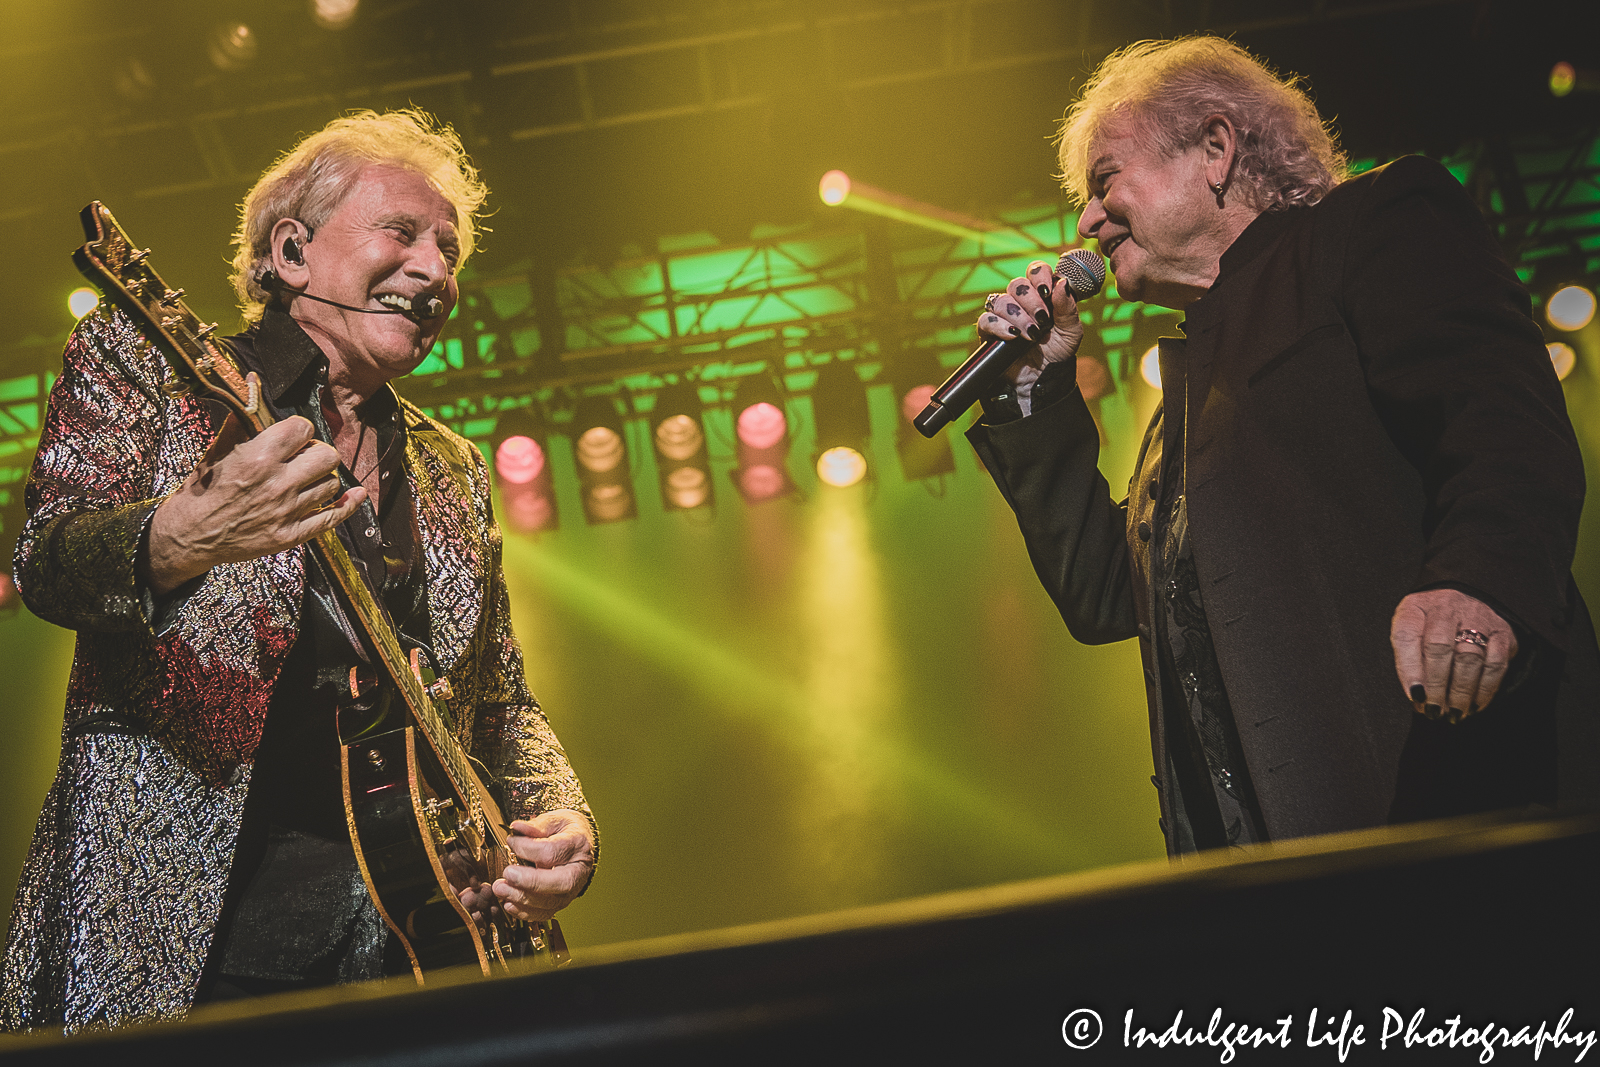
988, 301
1472, 637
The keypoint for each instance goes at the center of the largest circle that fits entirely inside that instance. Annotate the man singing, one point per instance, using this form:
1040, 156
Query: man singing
1346, 548
194, 843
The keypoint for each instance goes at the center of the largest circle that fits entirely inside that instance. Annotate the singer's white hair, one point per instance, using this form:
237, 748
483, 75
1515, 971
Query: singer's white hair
312, 179
1162, 92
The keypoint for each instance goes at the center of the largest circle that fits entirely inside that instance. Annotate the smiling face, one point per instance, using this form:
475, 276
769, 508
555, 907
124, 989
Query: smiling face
1157, 219
391, 241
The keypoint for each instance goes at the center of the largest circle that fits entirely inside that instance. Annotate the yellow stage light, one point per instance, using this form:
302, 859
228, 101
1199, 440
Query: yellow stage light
687, 487
609, 502
1570, 308
600, 449
679, 437
1562, 78
334, 14
841, 467
1562, 357
835, 187
1150, 367
83, 301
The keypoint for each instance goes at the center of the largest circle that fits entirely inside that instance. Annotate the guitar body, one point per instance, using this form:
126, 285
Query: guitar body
423, 823
417, 852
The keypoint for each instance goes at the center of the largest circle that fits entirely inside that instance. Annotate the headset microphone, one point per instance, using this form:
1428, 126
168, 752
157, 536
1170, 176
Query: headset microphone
423, 306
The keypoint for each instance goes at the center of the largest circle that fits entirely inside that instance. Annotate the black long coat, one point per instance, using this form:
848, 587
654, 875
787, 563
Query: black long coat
1370, 411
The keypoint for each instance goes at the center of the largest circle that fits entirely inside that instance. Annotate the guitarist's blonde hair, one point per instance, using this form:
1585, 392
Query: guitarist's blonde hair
311, 180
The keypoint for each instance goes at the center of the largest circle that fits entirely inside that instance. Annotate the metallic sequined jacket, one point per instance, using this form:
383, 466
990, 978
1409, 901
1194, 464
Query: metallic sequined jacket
124, 882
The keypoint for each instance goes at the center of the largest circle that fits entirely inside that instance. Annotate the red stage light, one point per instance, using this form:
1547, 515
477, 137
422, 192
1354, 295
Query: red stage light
519, 460
762, 425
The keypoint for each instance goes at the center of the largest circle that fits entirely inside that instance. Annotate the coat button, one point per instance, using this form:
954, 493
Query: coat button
1144, 531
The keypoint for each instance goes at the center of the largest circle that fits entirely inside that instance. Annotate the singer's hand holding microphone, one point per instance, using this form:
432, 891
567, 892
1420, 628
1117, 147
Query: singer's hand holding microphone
1032, 323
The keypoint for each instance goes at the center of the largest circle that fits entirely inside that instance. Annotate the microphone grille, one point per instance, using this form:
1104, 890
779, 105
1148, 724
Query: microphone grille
1084, 271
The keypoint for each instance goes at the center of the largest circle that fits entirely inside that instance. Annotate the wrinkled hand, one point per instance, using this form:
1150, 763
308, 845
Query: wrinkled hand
557, 853
1040, 308
248, 497
1443, 676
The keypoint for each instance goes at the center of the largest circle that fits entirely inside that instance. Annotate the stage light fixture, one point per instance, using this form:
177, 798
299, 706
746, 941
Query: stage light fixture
1570, 308
1566, 79
522, 469
334, 14
82, 301
838, 189
233, 45
920, 457
839, 402
1562, 357
762, 448
682, 459
601, 450
1150, 367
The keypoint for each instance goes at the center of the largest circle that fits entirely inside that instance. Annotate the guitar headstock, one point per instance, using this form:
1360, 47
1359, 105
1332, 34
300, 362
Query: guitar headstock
122, 271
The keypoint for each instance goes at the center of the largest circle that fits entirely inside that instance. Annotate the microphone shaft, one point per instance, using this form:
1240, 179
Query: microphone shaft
969, 382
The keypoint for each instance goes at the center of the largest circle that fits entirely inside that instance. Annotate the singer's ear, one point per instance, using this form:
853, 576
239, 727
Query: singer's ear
1221, 142
288, 247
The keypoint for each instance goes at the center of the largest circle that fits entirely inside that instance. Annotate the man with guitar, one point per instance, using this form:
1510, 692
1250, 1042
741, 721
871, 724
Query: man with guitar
255, 793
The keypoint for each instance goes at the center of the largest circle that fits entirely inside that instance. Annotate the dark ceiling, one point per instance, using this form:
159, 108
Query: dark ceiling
601, 126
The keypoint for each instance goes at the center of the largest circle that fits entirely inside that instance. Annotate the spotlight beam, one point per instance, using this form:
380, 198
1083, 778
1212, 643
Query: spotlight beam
838, 189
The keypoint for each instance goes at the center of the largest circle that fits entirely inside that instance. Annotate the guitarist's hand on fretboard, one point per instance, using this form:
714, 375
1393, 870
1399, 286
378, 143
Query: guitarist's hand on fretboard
249, 497
557, 854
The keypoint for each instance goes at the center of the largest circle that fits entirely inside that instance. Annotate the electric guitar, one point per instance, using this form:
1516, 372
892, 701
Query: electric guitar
424, 823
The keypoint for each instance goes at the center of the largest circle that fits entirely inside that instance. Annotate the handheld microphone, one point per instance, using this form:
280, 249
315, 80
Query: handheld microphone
1082, 270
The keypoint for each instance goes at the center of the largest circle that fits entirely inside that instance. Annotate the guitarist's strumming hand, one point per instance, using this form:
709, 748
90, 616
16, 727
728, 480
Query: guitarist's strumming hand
557, 853
249, 497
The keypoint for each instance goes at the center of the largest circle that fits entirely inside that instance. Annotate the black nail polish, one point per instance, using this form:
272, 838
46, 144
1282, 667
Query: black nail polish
1454, 716
1044, 293
1432, 711
1037, 333
1042, 318
1015, 332
1418, 694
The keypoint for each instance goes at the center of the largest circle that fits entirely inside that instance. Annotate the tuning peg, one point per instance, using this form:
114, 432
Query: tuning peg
171, 296
139, 256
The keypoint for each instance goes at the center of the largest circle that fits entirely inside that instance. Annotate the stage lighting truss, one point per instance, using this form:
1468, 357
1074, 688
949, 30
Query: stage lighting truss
839, 402
520, 453
761, 440
683, 462
600, 454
